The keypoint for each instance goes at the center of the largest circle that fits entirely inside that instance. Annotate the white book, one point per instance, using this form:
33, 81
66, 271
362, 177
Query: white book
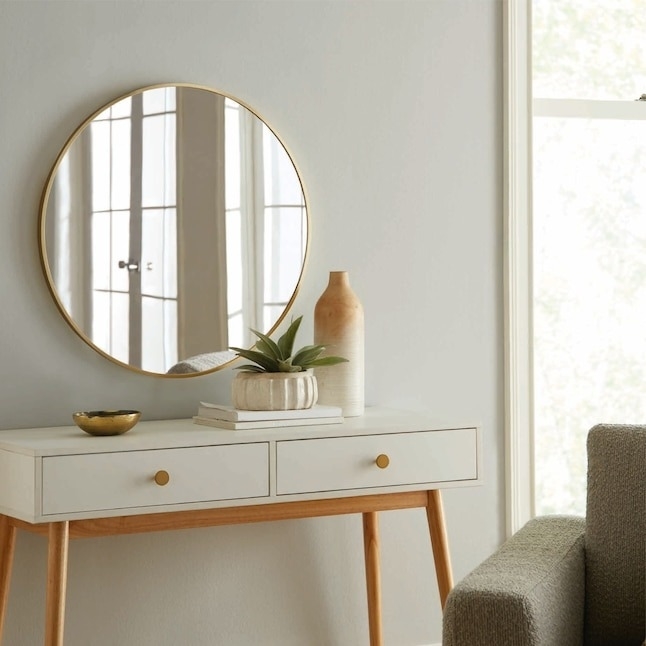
220, 411
265, 423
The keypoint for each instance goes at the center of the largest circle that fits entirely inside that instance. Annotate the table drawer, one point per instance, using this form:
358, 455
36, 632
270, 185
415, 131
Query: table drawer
91, 482
333, 464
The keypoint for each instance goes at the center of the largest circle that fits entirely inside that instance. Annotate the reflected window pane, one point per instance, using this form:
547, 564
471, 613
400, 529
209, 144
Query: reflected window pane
282, 186
232, 155
100, 325
271, 314
103, 116
120, 165
234, 262
120, 250
100, 141
152, 252
284, 252
170, 253
170, 334
152, 342
101, 254
158, 100
159, 253
237, 331
121, 109
120, 327
159, 342
158, 161
65, 223
170, 157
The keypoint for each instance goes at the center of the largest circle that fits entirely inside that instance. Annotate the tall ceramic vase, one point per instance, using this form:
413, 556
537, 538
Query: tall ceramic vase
339, 325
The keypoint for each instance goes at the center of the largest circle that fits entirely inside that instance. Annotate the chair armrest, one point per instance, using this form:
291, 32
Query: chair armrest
529, 593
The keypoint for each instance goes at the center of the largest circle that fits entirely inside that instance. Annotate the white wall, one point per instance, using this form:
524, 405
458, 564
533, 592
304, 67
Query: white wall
392, 110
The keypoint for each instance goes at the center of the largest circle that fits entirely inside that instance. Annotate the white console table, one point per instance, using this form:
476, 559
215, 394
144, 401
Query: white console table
174, 474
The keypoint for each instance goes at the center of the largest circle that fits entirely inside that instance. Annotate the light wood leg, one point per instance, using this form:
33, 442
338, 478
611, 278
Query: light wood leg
440, 544
56, 582
7, 544
373, 576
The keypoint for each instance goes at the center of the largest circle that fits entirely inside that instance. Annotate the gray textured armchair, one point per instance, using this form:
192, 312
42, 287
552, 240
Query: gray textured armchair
562, 580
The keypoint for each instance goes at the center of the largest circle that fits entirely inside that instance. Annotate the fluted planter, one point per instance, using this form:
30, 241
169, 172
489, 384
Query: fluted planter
274, 390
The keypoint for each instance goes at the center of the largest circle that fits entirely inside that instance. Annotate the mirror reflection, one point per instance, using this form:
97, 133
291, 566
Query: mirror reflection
173, 221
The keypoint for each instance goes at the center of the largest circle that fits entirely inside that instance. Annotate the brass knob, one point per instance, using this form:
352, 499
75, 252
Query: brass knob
382, 461
162, 478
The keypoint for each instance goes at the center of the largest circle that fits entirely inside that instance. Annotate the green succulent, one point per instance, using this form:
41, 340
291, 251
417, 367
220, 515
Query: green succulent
272, 356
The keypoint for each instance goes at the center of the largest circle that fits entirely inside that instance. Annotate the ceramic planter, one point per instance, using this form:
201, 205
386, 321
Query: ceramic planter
274, 390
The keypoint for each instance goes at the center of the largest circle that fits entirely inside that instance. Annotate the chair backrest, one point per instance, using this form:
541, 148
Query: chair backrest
615, 537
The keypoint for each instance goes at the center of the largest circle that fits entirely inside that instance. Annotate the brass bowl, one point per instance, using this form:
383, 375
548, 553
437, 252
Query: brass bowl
106, 422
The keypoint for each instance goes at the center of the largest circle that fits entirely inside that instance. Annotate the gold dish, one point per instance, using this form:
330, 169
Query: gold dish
106, 422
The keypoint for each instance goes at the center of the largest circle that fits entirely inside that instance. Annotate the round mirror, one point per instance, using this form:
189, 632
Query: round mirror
172, 222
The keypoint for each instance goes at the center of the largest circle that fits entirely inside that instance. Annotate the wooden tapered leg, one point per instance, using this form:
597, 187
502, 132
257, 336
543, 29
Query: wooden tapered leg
373, 576
59, 534
440, 544
7, 544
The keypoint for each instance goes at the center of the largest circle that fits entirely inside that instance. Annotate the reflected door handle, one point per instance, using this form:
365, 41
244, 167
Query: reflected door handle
130, 265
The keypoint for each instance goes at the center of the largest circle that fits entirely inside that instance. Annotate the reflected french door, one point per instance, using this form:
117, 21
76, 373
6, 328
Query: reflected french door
134, 272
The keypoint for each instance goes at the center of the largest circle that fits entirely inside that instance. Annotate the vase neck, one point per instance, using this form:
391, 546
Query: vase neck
339, 279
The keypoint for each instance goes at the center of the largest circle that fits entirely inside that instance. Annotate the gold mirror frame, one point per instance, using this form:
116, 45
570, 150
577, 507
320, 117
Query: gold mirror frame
42, 227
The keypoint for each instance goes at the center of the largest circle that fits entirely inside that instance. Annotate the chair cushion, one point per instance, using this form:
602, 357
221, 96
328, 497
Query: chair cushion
615, 547
201, 362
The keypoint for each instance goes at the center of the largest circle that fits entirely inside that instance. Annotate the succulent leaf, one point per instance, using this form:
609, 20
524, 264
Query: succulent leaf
250, 367
327, 361
288, 366
271, 356
267, 363
286, 341
268, 346
307, 353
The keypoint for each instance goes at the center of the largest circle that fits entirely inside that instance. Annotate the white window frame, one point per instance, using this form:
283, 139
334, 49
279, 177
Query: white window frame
520, 110
518, 362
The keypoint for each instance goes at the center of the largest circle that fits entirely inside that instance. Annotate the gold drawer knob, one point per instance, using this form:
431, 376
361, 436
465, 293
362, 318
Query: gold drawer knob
382, 461
162, 478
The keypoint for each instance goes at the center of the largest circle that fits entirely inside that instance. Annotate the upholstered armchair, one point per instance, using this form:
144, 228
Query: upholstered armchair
563, 580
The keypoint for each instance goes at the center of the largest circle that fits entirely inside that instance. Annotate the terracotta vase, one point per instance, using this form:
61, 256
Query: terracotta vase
339, 325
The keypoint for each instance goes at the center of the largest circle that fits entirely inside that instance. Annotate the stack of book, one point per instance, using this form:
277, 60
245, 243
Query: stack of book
230, 418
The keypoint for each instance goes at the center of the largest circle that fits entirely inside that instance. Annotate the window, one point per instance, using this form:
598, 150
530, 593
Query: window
575, 240
589, 233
